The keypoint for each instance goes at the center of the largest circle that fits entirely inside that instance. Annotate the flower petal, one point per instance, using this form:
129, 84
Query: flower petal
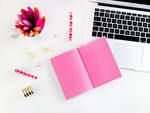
36, 13
25, 22
43, 19
30, 13
31, 33
26, 28
30, 10
23, 11
19, 26
38, 28
26, 33
39, 22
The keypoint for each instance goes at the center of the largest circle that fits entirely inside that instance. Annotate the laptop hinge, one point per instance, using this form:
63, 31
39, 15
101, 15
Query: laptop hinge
125, 7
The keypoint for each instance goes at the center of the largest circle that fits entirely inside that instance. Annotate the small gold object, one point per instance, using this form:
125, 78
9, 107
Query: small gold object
27, 91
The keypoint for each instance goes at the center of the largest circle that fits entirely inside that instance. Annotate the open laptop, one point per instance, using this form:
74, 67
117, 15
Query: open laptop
126, 24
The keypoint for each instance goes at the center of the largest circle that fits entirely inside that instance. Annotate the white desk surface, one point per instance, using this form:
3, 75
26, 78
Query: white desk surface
129, 94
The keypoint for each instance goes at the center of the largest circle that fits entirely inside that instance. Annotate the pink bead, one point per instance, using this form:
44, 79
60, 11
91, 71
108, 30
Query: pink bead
25, 74
70, 30
28, 75
16, 70
70, 25
32, 76
70, 18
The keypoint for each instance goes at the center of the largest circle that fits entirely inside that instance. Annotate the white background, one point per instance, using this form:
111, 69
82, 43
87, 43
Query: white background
129, 94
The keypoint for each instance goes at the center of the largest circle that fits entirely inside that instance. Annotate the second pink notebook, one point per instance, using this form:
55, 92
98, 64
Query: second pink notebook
84, 68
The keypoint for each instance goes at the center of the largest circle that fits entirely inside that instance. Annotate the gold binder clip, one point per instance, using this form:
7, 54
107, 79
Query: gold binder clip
27, 91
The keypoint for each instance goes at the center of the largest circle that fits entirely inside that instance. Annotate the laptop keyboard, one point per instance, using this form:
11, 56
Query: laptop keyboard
121, 25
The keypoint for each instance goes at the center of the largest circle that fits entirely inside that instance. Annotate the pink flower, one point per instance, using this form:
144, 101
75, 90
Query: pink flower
30, 22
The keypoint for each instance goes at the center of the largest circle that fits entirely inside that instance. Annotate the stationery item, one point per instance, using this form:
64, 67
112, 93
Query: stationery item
29, 53
86, 67
25, 74
30, 22
27, 91
70, 25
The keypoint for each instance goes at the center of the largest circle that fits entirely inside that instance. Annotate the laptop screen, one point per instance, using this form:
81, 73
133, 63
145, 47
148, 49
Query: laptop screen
137, 1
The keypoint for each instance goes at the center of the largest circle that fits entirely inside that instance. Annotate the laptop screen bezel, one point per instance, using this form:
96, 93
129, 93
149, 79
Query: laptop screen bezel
136, 2
121, 3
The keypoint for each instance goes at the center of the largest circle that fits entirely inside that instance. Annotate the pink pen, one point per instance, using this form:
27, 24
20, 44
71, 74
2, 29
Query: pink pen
70, 25
25, 74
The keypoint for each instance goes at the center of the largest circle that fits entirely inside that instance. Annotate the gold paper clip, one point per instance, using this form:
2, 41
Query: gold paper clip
27, 91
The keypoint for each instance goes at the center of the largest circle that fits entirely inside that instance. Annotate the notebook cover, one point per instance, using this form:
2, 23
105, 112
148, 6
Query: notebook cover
99, 62
71, 73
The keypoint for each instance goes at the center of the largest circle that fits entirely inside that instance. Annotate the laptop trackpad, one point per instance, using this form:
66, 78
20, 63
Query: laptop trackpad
128, 56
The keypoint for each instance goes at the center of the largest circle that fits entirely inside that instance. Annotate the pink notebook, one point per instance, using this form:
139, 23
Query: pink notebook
85, 68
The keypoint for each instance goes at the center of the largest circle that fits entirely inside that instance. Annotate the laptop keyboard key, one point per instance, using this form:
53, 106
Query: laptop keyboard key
148, 35
135, 23
129, 38
101, 29
114, 25
145, 29
116, 31
148, 40
108, 20
148, 20
95, 28
141, 29
135, 28
125, 27
111, 30
143, 19
104, 24
109, 25
127, 32
103, 19
143, 40
106, 30
96, 9
119, 26
124, 22
113, 20
110, 36
121, 31
144, 24
99, 34
106, 14
104, 34
101, 14
102, 10
139, 23
130, 27
138, 34
127, 18
97, 18
132, 18
96, 13
94, 33
116, 16
132, 33
107, 11
129, 22
119, 21
142, 34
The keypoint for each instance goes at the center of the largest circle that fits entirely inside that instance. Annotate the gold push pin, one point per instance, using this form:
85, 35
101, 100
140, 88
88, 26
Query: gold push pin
27, 91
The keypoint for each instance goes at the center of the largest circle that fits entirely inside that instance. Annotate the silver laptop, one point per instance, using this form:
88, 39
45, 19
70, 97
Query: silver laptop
126, 24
